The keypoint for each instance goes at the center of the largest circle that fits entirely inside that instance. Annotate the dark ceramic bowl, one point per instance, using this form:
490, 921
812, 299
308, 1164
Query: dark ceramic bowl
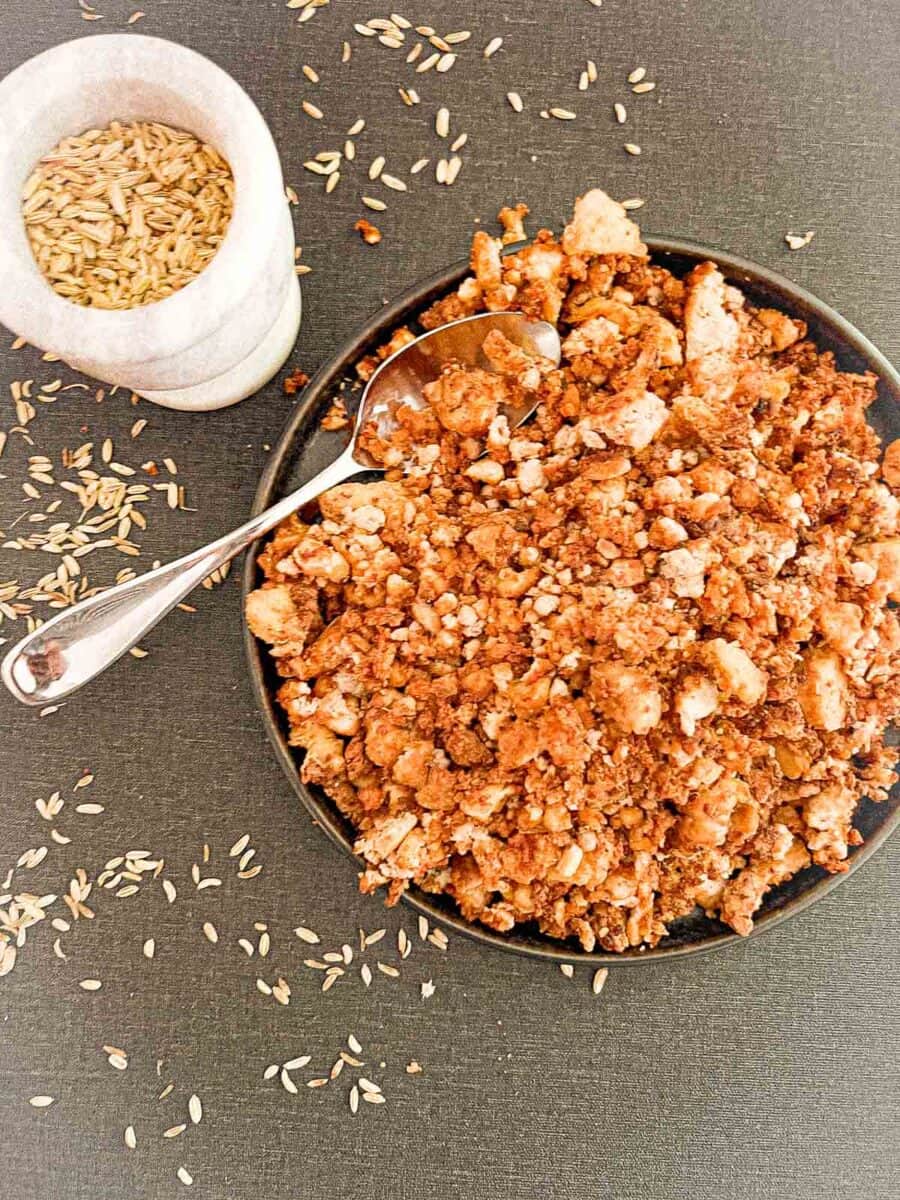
304, 449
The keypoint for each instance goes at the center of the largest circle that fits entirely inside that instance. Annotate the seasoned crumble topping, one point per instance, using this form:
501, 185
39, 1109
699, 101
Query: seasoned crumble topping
632, 658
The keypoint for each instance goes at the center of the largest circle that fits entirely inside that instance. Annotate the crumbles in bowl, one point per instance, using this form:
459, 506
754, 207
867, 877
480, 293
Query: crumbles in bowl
629, 661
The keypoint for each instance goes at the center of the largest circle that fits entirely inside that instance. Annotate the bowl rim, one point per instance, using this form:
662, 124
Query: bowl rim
737, 270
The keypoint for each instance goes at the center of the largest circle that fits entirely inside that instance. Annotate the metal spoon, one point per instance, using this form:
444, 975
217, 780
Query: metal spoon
71, 649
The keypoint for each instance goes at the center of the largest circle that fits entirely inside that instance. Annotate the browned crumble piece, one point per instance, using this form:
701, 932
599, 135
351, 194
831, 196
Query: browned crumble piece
513, 221
369, 233
295, 382
367, 365
890, 466
336, 417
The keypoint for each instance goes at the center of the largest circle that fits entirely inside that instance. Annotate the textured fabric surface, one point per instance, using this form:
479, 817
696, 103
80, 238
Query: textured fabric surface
769, 1069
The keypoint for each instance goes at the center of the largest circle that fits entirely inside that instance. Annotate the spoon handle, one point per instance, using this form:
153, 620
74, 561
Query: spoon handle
69, 650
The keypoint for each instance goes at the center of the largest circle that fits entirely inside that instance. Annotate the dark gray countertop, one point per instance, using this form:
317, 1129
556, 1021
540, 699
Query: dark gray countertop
770, 1069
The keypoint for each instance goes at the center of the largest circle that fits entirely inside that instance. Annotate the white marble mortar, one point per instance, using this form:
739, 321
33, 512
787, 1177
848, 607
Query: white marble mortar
224, 335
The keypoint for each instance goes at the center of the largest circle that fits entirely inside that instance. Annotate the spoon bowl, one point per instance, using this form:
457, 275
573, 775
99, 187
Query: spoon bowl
400, 380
